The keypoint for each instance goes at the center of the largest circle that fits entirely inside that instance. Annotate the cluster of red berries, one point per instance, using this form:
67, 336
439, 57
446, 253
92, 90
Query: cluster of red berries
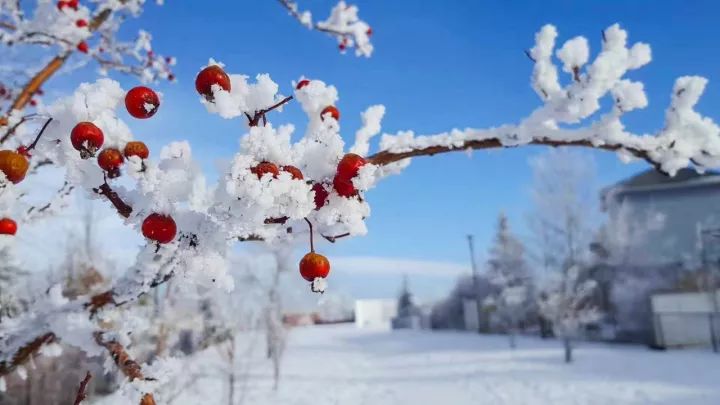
87, 138
80, 23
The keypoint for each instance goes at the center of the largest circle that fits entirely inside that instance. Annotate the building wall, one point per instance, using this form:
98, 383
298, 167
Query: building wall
685, 211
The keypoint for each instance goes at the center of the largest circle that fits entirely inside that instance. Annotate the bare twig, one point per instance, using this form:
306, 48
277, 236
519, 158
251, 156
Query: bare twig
332, 239
386, 157
37, 138
255, 120
121, 206
81, 394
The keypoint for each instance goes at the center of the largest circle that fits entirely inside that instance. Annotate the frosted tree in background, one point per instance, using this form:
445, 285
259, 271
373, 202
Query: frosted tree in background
507, 271
281, 190
563, 222
566, 300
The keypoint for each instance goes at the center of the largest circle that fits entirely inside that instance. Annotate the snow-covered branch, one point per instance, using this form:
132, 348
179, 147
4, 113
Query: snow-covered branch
569, 114
343, 24
281, 191
68, 27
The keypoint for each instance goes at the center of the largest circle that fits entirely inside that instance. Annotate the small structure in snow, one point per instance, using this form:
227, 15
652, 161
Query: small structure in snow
375, 313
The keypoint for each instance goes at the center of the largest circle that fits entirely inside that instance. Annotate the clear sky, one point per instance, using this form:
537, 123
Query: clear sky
437, 65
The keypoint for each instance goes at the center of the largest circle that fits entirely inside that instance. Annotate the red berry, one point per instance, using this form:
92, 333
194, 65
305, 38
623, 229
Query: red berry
321, 195
81, 23
33, 102
83, 47
314, 265
73, 4
62, 4
110, 160
136, 148
294, 172
369, 31
350, 165
86, 138
171, 77
208, 77
302, 83
332, 110
160, 228
13, 165
342, 45
8, 226
344, 186
23, 150
142, 102
263, 168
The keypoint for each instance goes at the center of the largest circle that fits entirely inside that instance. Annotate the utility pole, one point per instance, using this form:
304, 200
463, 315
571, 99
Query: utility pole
476, 281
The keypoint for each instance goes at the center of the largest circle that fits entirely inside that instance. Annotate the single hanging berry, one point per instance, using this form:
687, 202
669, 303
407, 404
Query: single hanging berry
136, 148
211, 75
142, 102
8, 226
87, 138
314, 265
14, 165
110, 160
160, 228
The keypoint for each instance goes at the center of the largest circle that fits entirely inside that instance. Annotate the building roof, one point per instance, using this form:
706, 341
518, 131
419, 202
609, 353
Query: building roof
652, 180
652, 177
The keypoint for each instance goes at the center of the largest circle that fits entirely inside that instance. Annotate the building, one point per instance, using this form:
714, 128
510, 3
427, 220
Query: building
687, 203
662, 235
375, 313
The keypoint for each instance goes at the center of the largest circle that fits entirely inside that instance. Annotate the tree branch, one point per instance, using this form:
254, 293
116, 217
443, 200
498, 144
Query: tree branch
81, 394
129, 367
49, 70
386, 157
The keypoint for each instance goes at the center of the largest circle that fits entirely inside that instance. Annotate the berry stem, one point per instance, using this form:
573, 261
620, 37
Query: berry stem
312, 244
255, 120
42, 131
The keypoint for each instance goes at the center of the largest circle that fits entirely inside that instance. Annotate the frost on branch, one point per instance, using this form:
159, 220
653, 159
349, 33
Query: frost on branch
343, 24
60, 29
571, 113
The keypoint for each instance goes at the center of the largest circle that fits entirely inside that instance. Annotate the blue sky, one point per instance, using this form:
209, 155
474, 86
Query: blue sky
437, 65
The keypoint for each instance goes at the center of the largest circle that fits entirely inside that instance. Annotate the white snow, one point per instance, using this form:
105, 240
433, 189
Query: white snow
344, 365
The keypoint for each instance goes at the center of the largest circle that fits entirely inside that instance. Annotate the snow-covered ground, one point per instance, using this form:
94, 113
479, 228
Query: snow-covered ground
345, 366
